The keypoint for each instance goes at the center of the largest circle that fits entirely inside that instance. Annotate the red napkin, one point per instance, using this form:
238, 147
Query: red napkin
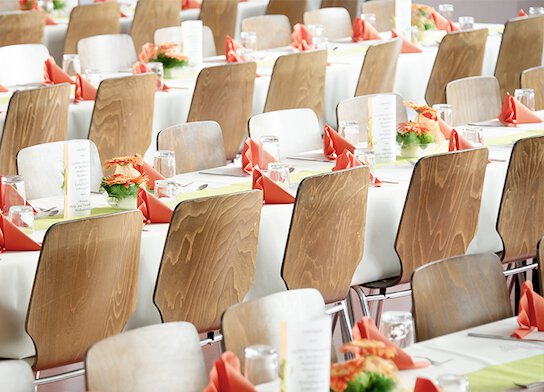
84, 90
362, 31
141, 68
514, 112
346, 160
49, 21
188, 4
272, 192
147, 53
334, 144
407, 47
154, 210
458, 142
152, 174
3, 89
231, 46
251, 156
13, 239
442, 23
302, 38
53, 74
530, 311
366, 329
426, 385
226, 376
522, 13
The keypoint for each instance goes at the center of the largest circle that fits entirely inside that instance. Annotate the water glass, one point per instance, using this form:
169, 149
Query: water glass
22, 217
350, 131
466, 22
475, 135
526, 96
319, 40
446, 10
93, 76
165, 189
71, 64
369, 18
536, 10
270, 146
444, 112
453, 383
13, 192
261, 364
367, 157
158, 69
398, 328
411, 34
165, 163
279, 173
249, 41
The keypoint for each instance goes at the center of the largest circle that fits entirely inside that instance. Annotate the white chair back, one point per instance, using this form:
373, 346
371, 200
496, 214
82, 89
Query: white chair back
297, 129
22, 64
9, 5
174, 34
16, 376
107, 53
42, 167
335, 20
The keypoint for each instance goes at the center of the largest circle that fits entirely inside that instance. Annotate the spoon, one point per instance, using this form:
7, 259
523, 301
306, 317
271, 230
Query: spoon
203, 186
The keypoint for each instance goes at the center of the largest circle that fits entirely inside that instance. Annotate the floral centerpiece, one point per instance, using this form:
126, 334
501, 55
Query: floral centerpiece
122, 186
422, 17
427, 116
172, 61
413, 137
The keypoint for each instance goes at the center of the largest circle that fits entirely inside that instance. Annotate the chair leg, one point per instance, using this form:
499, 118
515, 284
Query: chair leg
351, 309
380, 307
346, 324
364, 302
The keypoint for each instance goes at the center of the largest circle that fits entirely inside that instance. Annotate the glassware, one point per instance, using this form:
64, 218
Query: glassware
411, 33
526, 96
15, 196
23, 218
318, 39
350, 131
93, 76
71, 64
158, 69
165, 163
446, 10
453, 383
261, 364
165, 189
475, 135
249, 41
270, 145
398, 328
279, 173
444, 112
369, 18
466, 22
536, 10
367, 157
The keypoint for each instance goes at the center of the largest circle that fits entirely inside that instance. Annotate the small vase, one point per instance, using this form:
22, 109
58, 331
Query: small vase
416, 150
173, 72
128, 203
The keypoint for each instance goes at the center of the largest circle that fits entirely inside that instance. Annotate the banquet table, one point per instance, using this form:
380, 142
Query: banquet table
385, 204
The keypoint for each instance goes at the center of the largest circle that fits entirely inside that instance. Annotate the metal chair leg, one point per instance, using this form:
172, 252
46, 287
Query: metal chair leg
351, 309
346, 330
380, 307
364, 302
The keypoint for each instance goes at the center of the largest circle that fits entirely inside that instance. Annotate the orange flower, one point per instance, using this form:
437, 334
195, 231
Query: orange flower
119, 179
367, 347
424, 110
343, 373
412, 127
123, 161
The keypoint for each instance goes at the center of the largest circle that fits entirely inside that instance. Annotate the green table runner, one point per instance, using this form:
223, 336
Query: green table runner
510, 139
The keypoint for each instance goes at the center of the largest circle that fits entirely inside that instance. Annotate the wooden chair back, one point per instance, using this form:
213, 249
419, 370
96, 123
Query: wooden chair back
225, 94
298, 81
351, 5
22, 27
16, 376
460, 54
534, 78
294, 10
10, 5
473, 99
123, 115
540, 270
520, 222
198, 145
521, 48
90, 20
273, 31
384, 11
107, 53
34, 117
379, 68
85, 287
208, 263
454, 289
336, 21
220, 16
441, 209
151, 15
169, 356
326, 237
22, 64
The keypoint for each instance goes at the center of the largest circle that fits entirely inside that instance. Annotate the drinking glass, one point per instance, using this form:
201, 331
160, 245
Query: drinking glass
369, 18
270, 145
249, 41
158, 69
15, 196
475, 135
165, 189
526, 96
71, 64
165, 163
466, 22
411, 34
446, 10
261, 364
536, 10
319, 40
279, 173
398, 328
367, 157
93, 76
444, 112
453, 383
350, 131
22, 217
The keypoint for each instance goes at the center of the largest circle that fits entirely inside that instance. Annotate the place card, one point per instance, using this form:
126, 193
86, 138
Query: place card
382, 112
403, 16
77, 178
192, 41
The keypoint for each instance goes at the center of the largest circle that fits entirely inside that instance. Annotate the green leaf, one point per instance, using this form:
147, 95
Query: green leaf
425, 138
169, 62
120, 191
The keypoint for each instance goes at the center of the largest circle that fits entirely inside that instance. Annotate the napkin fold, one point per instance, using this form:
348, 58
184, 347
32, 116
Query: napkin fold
49, 20
3, 89
426, 385
366, 329
85, 91
514, 112
251, 156
407, 46
530, 311
522, 12
272, 192
141, 68
363, 31
458, 142
231, 47
334, 144
147, 53
53, 74
188, 4
149, 171
13, 239
302, 38
154, 210
442, 23
226, 376
346, 160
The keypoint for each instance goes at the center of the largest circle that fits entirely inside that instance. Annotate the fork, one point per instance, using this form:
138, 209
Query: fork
434, 362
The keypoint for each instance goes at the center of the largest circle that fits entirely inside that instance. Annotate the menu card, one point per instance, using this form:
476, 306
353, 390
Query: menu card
77, 178
403, 15
192, 41
383, 114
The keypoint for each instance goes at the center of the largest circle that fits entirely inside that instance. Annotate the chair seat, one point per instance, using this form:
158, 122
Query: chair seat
382, 283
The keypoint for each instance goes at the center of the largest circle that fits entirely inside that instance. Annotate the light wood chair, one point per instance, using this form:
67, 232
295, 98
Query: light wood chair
167, 357
22, 27
379, 68
258, 321
521, 48
335, 20
122, 118
273, 31
109, 53
473, 99
534, 78
385, 13
90, 20
198, 145
455, 289
10, 5
540, 274
208, 263
220, 16
351, 5
151, 15
356, 109
298, 81
22, 64
294, 10
174, 34
34, 117
85, 288
460, 54
16, 376
225, 94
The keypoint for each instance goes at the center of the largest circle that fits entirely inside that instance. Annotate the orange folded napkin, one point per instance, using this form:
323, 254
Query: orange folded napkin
530, 311
426, 385
272, 192
346, 160
226, 376
442, 23
363, 31
13, 239
366, 329
154, 210
3, 89
514, 112
407, 47
49, 20
302, 38
522, 13
231, 46
53, 74
188, 4
147, 53
152, 174
84, 90
251, 156
141, 68
458, 142
334, 144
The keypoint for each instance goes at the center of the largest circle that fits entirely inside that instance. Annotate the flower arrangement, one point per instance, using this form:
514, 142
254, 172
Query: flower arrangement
422, 17
165, 54
427, 116
122, 186
412, 132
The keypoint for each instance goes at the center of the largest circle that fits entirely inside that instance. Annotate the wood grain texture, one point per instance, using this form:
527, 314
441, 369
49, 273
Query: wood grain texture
379, 68
521, 48
465, 291
350, 5
151, 15
198, 145
293, 9
225, 94
168, 356
208, 263
473, 99
34, 117
85, 287
220, 16
534, 78
326, 237
460, 54
90, 20
298, 81
22, 27
385, 13
441, 211
520, 222
123, 115
273, 31
336, 21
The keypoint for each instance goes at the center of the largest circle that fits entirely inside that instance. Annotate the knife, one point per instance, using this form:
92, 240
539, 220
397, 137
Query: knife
486, 336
